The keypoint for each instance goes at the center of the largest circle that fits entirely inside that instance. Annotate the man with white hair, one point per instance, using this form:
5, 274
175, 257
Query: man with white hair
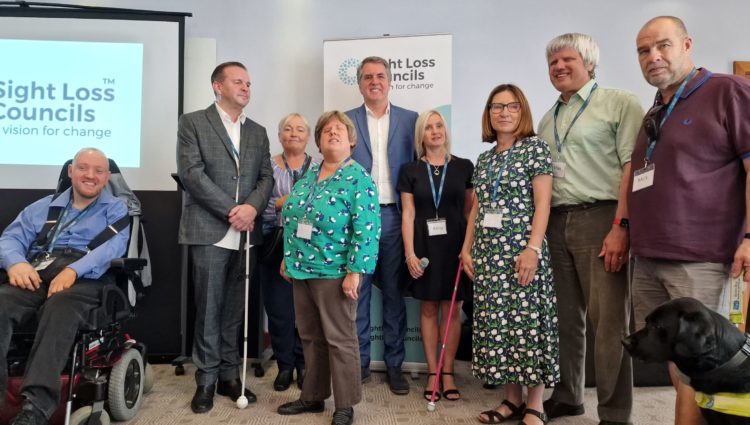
591, 131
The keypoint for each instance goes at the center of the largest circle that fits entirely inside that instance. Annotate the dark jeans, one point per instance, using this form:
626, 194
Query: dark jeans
60, 317
390, 263
278, 300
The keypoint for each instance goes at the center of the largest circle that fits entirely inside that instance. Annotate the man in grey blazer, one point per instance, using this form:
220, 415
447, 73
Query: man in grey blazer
386, 133
224, 164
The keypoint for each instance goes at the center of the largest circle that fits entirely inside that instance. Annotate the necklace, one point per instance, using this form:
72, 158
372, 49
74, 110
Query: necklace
436, 169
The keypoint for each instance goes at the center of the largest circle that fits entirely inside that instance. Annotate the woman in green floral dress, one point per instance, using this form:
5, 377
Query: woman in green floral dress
515, 319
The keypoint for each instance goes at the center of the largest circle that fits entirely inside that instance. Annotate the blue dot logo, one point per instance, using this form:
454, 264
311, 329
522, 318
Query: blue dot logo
348, 71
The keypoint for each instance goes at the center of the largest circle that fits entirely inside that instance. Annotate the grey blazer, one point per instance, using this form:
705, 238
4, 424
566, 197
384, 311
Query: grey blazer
205, 164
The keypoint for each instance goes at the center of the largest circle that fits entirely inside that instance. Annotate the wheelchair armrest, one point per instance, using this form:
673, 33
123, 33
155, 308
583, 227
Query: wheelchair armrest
128, 264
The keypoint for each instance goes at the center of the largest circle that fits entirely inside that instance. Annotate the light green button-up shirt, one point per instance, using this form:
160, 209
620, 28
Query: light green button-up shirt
598, 145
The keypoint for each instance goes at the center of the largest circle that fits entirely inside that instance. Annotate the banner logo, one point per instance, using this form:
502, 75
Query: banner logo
348, 71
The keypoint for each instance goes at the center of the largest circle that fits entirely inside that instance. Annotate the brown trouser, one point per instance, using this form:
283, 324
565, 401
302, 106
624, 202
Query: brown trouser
326, 321
575, 238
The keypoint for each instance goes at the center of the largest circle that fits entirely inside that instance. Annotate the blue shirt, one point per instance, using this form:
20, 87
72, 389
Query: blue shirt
16, 242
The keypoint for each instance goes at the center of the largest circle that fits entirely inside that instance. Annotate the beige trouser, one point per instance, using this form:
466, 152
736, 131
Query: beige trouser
326, 321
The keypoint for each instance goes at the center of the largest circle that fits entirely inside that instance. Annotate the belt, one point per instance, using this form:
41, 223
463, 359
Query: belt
583, 206
392, 204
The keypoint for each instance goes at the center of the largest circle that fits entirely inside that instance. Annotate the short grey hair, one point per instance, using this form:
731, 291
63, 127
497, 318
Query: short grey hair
374, 59
286, 118
582, 43
91, 150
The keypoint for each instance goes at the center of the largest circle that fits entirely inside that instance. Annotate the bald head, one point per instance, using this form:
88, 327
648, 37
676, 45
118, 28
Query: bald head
664, 53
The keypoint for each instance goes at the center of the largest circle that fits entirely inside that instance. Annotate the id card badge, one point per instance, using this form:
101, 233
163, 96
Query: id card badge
558, 169
437, 227
43, 263
493, 219
304, 230
643, 178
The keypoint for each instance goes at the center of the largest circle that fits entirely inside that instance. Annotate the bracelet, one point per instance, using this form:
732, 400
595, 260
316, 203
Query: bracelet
408, 257
535, 249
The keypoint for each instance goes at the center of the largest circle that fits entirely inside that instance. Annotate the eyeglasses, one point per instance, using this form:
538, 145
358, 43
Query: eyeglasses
651, 122
496, 108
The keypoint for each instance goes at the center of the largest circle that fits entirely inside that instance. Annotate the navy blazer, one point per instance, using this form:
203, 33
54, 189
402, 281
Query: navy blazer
400, 140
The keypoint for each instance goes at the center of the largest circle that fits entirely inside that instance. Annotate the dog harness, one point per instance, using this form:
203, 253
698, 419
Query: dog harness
737, 404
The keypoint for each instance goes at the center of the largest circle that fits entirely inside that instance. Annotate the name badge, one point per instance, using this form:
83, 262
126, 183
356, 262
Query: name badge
493, 219
558, 169
43, 263
437, 227
643, 178
304, 230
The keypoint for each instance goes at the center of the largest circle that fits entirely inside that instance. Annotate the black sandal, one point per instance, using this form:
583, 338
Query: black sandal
495, 417
428, 393
541, 415
453, 391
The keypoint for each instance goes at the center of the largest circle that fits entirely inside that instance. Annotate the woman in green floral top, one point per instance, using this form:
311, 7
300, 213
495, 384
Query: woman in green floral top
331, 232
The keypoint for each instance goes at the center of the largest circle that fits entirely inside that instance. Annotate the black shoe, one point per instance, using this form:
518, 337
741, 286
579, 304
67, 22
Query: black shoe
396, 381
283, 380
365, 374
343, 416
232, 389
555, 409
29, 415
203, 400
298, 406
300, 377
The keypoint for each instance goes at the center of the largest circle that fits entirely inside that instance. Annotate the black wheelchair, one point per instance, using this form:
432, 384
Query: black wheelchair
108, 373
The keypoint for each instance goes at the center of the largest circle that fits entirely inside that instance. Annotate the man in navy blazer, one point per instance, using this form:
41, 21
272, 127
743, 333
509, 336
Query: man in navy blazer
386, 142
224, 164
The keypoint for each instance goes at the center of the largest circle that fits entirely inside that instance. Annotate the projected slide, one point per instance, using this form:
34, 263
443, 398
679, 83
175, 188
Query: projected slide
59, 96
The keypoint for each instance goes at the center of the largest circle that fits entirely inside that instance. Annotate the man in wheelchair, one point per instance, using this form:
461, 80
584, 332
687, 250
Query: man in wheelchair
54, 270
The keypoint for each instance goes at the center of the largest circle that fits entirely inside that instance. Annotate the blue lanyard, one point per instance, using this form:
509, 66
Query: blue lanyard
328, 180
500, 172
672, 103
559, 142
60, 227
292, 175
235, 152
436, 197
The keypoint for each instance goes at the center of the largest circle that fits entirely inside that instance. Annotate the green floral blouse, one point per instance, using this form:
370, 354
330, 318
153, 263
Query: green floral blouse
345, 217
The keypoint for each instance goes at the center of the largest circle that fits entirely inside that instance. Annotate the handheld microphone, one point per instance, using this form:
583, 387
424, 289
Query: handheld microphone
423, 263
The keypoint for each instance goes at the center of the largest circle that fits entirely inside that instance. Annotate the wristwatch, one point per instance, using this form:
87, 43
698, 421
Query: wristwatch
622, 222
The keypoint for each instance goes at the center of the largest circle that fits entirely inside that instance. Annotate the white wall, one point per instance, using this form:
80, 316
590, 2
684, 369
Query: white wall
494, 41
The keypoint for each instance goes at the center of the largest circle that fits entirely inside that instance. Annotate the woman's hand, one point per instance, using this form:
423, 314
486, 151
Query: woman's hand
413, 264
282, 272
526, 263
468, 264
350, 285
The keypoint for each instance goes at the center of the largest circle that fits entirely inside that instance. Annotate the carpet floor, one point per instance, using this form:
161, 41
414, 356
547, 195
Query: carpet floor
169, 403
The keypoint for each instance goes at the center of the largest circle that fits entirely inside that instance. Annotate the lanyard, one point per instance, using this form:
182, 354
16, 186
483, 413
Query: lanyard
293, 176
436, 197
500, 172
672, 103
559, 142
60, 227
328, 180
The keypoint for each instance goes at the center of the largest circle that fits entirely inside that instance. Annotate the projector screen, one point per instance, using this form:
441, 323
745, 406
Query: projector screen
73, 82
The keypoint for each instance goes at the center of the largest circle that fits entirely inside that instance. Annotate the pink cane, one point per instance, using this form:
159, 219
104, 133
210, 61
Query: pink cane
431, 404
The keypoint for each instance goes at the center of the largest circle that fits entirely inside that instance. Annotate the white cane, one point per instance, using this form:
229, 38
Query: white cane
242, 400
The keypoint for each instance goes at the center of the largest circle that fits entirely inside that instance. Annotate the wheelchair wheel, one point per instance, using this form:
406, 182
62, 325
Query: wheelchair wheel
148, 379
125, 391
81, 416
